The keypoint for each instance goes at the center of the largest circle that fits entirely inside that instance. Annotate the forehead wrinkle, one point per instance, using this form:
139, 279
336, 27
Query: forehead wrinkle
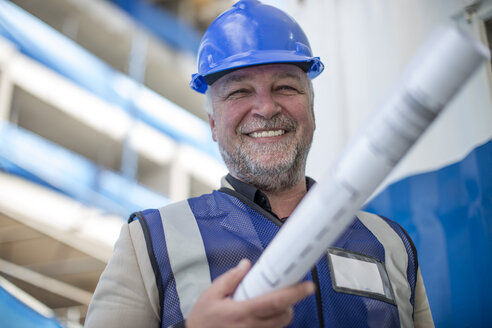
283, 75
237, 77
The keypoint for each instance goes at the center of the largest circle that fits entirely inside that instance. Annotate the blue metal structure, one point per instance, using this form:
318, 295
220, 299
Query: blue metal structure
52, 49
36, 159
25, 154
76, 176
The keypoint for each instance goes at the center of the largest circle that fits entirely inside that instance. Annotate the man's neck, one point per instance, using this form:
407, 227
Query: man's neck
284, 202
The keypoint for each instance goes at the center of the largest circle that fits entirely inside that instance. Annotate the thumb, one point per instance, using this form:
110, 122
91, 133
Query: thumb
227, 283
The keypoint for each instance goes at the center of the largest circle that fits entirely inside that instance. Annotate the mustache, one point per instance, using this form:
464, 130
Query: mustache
275, 123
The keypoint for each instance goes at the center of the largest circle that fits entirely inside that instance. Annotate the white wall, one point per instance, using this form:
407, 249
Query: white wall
365, 45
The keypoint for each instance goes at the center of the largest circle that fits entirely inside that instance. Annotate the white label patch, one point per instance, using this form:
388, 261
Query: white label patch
357, 274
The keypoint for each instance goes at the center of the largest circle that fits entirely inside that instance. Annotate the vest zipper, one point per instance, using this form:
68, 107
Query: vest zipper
314, 273
279, 223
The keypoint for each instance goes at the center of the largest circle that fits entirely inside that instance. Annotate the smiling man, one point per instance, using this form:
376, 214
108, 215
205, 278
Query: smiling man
263, 121
179, 265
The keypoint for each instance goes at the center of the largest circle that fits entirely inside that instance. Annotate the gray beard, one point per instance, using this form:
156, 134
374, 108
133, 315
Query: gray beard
285, 173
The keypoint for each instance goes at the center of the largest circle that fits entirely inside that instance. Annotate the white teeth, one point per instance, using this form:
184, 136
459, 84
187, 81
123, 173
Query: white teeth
265, 134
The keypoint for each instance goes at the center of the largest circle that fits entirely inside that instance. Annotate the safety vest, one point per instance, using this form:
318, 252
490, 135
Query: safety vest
366, 279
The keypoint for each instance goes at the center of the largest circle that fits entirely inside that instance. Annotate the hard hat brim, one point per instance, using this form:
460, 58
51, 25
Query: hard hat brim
311, 65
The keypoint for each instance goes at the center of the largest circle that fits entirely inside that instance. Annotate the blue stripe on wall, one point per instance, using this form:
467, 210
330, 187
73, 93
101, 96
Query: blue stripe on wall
448, 214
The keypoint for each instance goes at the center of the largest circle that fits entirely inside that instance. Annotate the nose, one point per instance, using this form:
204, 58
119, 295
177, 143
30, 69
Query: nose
265, 105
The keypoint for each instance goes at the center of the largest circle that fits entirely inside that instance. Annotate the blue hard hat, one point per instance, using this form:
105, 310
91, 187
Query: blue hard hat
251, 33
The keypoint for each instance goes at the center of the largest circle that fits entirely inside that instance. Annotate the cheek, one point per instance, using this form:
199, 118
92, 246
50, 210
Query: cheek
303, 114
232, 117
225, 128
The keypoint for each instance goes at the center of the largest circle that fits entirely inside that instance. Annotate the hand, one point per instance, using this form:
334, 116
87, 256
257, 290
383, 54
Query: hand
215, 308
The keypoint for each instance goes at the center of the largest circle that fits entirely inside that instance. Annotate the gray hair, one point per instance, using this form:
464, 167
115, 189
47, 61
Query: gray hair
209, 107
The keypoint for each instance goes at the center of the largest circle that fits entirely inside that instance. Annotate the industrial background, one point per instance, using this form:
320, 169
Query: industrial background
97, 120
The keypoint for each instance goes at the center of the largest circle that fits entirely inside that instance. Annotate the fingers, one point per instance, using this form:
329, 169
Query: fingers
278, 301
227, 283
214, 308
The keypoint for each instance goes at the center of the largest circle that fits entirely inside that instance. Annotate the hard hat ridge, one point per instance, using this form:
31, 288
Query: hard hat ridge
248, 34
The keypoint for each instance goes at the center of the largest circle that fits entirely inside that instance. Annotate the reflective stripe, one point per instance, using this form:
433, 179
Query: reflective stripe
396, 262
186, 253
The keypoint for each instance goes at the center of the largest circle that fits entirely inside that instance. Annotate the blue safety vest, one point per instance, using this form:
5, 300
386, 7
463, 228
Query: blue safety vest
190, 243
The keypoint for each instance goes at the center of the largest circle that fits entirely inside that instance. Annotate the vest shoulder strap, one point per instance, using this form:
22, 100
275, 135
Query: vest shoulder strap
396, 262
186, 252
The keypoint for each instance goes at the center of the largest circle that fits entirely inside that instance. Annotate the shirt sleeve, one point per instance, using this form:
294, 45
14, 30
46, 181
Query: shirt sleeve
422, 315
124, 296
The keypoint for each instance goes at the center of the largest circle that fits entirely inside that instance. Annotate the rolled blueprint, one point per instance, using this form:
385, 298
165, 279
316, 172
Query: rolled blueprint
441, 68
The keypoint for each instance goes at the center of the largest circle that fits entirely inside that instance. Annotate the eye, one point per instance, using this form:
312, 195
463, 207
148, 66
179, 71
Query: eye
238, 93
287, 89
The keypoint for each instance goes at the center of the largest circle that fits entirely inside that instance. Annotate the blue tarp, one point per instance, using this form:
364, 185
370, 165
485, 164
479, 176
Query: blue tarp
15, 314
448, 214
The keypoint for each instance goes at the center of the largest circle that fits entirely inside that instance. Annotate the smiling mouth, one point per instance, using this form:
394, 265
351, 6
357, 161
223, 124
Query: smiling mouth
265, 134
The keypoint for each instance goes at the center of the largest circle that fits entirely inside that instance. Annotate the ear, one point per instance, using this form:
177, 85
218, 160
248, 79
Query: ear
211, 121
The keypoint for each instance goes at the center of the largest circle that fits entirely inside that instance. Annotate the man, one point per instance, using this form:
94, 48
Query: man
179, 265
